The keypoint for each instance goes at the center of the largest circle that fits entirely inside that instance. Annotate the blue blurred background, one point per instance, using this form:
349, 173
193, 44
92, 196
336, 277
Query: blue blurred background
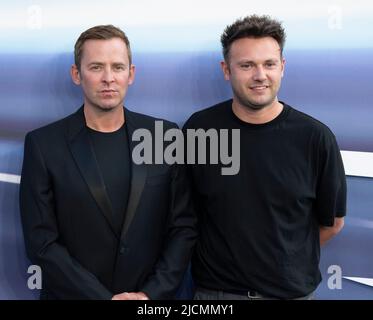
176, 51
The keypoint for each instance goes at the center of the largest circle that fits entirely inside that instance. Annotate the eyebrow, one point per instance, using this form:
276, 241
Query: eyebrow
253, 62
101, 64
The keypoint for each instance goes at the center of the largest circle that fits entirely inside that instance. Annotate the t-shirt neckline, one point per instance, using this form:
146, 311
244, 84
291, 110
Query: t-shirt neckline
283, 114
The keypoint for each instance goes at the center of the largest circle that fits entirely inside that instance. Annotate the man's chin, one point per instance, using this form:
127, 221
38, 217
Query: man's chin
258, 105
107, 108
255, 106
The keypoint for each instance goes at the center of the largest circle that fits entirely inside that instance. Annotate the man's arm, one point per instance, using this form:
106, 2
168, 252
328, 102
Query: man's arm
326, 233
332, 188
179, 242
65, 277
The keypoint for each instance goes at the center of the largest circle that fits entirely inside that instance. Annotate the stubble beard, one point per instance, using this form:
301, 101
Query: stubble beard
105, 109
252, 105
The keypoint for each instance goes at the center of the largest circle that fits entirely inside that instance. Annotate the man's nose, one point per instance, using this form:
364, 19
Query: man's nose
108, 75
259, 74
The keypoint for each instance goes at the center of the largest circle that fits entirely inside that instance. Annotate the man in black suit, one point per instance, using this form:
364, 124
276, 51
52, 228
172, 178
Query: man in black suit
99, 225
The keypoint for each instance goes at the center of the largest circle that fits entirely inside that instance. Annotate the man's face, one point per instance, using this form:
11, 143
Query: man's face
104, 73
255, 69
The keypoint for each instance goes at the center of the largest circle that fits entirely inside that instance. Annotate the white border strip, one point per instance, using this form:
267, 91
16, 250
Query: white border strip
356, 163
11, 178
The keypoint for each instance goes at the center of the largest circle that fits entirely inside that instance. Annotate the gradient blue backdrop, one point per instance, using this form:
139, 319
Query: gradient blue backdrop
177, 54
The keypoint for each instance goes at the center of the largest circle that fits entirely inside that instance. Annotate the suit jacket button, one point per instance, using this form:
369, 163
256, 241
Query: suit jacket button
123, 250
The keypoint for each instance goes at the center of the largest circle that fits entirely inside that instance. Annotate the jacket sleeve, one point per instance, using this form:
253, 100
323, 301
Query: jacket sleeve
179, 243
64, 276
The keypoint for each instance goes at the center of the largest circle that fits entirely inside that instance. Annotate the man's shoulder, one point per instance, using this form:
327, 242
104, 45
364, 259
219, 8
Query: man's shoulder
307, 121
51, 129
207, 115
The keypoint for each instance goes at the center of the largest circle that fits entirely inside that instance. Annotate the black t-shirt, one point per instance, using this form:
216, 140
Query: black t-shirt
259, 229
113, 157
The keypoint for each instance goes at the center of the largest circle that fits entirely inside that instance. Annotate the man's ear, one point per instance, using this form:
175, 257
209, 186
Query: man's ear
282, 67
225, 67
75, 74
132, 72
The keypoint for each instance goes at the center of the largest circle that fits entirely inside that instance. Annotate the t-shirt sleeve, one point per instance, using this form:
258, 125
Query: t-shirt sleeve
331, 181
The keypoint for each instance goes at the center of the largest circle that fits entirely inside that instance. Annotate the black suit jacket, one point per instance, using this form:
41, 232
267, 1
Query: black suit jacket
68, 224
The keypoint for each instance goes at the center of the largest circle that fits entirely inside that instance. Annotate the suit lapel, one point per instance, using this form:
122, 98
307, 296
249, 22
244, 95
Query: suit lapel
85, 158
138, 174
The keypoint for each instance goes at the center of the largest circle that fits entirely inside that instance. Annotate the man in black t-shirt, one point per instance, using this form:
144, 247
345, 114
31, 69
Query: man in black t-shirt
99, 224
261, 229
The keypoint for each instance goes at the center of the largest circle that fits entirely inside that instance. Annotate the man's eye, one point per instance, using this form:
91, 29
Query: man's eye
95, 68
246, 66
120, 68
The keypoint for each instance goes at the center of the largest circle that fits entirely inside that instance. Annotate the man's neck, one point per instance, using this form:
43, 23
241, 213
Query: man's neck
104, 121
260, 116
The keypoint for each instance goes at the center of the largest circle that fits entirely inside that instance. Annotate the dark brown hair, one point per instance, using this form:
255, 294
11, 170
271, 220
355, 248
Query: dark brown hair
253, 26
101, 32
